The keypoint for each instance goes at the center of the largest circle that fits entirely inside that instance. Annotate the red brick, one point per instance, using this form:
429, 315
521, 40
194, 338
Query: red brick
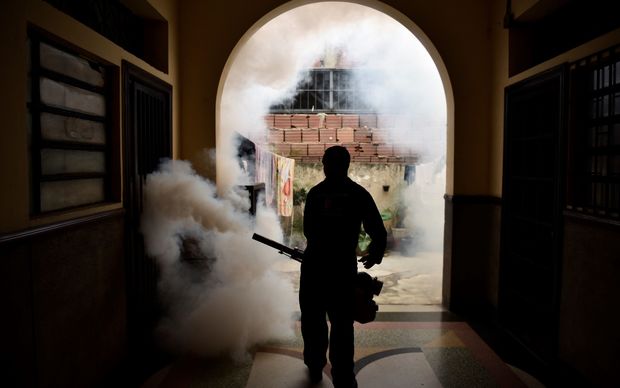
363, 135
292, 136
316, 149
333, 121
282, 121
362, 159
327, 145
310, 135
282, 149
367, 149
311, 159
378, 159
275, 136
327, 135
352, 148
345, 135
299, 149
380, 136
351, 121
384, 150
270, 121
299, 121
368, 121
315, 121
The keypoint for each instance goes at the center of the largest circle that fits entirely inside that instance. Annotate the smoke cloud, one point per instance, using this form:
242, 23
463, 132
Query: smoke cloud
222, 293
392, 69
219, 287
425, 206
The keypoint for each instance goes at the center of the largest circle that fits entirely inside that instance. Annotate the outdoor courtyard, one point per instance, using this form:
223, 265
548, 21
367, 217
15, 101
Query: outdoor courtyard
410, 283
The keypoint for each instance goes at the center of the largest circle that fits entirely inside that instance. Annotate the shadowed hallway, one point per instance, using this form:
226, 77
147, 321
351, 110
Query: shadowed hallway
96, 92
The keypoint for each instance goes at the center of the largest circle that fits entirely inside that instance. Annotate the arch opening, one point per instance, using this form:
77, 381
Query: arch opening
288, 48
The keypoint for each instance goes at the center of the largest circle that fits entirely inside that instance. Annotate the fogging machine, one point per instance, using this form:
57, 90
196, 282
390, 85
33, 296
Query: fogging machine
365, 309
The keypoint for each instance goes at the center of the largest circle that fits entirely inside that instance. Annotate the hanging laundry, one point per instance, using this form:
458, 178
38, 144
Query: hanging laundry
286, 168
277, 173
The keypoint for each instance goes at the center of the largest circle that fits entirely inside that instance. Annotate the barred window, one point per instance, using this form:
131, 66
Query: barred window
594, 136
324, 90
69, 127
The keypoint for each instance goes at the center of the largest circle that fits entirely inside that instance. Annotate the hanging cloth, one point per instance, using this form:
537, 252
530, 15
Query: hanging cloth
286, 168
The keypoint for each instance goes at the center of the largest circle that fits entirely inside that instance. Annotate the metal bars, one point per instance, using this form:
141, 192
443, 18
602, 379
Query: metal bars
594, 177
325, 90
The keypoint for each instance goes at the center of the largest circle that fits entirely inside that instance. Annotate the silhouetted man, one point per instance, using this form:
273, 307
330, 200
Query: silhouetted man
335, 210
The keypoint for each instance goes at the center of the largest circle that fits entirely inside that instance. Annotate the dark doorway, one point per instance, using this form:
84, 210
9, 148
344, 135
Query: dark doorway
148, 139
531, 212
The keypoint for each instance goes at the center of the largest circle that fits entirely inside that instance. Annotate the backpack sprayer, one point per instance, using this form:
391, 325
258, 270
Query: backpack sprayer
365, 285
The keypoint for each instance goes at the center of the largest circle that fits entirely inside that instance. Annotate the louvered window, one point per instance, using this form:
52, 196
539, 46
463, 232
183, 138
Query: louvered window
69, 127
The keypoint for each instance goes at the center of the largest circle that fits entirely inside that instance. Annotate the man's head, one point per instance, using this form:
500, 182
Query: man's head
336, 161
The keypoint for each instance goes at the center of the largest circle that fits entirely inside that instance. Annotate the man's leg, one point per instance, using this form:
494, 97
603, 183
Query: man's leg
313, 325
341, 339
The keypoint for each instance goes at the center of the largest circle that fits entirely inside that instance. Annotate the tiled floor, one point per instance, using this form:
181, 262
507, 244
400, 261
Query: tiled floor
413, 343
387, 354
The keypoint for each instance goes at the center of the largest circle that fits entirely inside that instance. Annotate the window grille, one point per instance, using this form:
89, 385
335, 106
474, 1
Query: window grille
594, 136
324, 90
69, 127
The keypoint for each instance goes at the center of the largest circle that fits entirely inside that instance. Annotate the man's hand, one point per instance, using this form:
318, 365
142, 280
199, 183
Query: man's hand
368, 261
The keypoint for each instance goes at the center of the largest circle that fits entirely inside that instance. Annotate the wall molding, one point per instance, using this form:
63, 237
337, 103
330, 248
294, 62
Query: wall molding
57, 226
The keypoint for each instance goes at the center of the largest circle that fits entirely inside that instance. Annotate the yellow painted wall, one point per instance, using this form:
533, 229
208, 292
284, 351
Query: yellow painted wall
459, 31
501, 80
14, 156
499, 46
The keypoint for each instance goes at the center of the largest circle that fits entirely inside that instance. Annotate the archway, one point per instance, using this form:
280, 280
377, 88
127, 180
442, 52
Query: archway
223, 137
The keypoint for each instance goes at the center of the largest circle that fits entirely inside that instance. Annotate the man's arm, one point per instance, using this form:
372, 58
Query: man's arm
373, 225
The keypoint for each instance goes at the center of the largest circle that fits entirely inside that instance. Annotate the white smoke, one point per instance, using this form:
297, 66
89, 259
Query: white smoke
226, 297
425, 207
222, 295
394, 72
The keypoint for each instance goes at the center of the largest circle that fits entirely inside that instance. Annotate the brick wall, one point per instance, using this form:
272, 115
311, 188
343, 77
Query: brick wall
306, 136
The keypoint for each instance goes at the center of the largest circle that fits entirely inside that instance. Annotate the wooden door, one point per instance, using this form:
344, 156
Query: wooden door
148, 139
531, 212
